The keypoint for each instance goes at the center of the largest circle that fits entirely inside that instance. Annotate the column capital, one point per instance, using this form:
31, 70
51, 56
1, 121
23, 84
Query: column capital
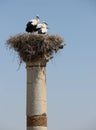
37, 63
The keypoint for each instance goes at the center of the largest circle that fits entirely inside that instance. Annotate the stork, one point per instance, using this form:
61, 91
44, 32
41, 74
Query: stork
42, 28
32, 24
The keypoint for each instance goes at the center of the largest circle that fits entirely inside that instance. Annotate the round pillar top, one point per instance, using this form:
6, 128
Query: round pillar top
37, 63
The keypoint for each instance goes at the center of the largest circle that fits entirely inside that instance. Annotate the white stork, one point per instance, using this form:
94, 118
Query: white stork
42, 28
32, 24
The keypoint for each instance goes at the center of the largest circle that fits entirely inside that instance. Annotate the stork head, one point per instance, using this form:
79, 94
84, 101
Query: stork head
37, 17
44, 23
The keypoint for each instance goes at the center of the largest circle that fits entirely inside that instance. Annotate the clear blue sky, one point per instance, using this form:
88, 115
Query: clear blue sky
71, 75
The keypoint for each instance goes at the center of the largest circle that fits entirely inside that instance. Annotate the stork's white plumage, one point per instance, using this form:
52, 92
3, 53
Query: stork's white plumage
32, 24
42, 28
39, 26
35, 21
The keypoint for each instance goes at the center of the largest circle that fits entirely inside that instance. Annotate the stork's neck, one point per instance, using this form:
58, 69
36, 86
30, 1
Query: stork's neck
37, 20
44, 25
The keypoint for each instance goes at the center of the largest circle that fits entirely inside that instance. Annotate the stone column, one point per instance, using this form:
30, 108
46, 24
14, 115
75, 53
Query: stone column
36, 96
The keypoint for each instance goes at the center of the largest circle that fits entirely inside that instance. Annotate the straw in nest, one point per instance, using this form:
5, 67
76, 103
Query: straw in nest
31, 47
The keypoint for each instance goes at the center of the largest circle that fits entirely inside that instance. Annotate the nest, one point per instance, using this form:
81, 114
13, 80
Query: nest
32, 47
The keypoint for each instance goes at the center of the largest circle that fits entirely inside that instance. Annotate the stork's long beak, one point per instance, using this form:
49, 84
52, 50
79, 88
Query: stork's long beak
37, 16
46, 23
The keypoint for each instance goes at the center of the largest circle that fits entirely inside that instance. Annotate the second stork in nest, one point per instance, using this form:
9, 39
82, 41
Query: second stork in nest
34, 26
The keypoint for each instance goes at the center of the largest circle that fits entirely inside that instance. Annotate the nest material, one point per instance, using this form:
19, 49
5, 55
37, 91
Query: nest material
31, 47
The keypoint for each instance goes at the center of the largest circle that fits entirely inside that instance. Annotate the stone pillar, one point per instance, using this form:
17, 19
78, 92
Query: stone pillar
36, 96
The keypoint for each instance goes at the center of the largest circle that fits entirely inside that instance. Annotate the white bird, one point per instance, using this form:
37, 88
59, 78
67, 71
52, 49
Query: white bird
32, 24
39, 26
42, 28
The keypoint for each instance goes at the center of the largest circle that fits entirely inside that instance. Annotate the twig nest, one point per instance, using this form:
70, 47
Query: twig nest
32, 47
